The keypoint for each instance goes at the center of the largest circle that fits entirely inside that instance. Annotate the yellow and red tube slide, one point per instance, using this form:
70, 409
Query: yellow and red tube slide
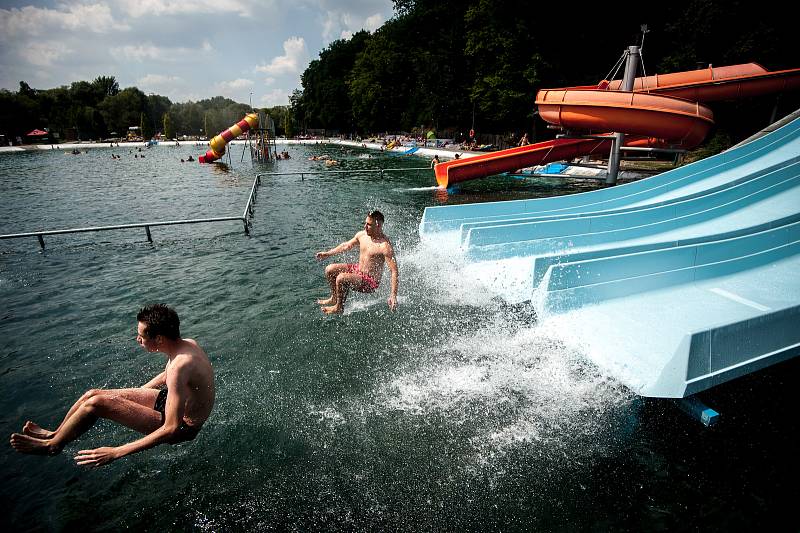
218, 143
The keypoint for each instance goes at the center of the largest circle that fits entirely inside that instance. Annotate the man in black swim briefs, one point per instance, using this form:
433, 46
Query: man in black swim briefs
374, 250
163, 417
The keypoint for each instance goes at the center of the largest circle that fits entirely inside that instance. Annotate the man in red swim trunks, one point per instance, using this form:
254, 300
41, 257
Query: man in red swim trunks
375, 250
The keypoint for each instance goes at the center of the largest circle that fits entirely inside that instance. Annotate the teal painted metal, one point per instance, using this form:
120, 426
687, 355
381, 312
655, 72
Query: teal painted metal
673, 284
698, 410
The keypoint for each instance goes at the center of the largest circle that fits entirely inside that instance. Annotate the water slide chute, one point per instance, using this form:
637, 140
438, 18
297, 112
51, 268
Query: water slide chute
218, 143
662, 110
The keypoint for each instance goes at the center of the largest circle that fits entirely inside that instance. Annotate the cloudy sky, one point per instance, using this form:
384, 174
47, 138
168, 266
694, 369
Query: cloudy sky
182, 49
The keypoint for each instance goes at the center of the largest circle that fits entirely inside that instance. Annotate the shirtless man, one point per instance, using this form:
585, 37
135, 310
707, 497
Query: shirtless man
375, 250
163, 417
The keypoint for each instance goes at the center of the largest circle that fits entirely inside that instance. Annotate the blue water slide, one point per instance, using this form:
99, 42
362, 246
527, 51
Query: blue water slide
754, 202
673, 284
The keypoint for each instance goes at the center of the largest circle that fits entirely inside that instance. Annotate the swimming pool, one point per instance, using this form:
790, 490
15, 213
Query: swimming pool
457, 412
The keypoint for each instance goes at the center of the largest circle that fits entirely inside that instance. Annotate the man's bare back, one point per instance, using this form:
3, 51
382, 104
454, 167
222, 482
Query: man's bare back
192, 365
375, 251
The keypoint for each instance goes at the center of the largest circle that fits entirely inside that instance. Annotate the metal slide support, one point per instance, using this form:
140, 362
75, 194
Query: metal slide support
631, 64
695, 408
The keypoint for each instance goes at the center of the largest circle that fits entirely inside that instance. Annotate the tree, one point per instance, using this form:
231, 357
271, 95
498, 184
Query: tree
327, 100
298, 111
169, 132
104, 86
127, 108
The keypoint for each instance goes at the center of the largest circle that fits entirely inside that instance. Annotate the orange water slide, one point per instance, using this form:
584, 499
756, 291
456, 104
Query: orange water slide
662, 110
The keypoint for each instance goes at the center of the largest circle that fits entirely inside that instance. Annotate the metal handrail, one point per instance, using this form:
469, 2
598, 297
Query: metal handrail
327, 171
248, 211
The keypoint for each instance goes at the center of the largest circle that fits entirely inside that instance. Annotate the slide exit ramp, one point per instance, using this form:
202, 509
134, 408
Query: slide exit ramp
673, 284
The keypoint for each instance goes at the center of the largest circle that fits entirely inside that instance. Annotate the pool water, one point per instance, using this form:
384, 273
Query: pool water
456, 412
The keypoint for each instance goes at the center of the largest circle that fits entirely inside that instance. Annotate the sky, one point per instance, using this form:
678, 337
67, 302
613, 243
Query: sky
246, 50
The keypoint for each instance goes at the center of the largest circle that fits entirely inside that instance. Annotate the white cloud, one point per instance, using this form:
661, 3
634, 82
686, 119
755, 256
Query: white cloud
44, 53
30, 20
158, 80
343, 19
138, 52
149, 51
234, 85
149, 8
274, 97
294, 59
373, 22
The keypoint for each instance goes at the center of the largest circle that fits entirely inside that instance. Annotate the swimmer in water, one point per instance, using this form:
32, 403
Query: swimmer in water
365, 276
168, 409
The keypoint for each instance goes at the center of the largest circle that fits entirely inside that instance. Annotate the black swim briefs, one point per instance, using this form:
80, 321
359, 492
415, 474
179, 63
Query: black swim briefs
185, 431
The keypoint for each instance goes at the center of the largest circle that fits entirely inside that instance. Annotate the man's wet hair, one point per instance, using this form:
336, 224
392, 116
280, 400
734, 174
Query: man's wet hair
160, 319
376, 215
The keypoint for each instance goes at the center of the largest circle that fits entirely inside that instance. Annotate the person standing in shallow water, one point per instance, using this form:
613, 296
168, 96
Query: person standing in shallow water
364, 276
169, 409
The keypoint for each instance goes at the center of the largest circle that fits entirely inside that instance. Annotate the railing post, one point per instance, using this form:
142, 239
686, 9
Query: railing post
246, 229
41, 241
149, 237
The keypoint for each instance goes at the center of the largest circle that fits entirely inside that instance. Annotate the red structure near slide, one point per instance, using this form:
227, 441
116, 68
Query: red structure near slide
663, 110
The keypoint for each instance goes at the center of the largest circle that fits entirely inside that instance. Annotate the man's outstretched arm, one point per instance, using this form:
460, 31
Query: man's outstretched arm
157, 382
339, 249
173, 416
395, 272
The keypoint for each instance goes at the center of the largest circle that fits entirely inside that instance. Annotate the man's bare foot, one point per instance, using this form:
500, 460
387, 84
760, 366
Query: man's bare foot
328, 301
332, 310
25, 444
32, 429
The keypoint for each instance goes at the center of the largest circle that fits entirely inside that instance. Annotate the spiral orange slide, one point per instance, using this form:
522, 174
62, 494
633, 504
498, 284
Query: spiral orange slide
663, 110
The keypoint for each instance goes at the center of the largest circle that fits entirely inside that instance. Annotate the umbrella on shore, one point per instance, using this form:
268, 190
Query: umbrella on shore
36, 133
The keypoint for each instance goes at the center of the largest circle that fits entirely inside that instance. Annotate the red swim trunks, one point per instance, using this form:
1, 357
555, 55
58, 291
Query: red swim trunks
368, 284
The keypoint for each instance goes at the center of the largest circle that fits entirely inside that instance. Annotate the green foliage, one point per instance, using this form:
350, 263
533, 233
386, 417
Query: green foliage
436, 62
325, 98
448, 65
93, 110
169, 131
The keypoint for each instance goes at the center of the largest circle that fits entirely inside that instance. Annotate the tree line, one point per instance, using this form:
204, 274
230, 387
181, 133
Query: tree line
449, 66
100, 110
455, 65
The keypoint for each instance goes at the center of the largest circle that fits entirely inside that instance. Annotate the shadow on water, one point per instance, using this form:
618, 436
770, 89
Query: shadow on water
457, 412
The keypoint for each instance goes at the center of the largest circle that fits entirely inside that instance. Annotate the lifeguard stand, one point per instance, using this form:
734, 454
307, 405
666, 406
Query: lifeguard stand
262, 139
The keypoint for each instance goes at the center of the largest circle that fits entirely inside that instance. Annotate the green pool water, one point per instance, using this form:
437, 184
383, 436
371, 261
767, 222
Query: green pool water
457, 412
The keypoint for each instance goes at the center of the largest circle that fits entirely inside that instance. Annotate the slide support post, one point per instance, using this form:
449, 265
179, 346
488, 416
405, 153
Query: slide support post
631, 65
